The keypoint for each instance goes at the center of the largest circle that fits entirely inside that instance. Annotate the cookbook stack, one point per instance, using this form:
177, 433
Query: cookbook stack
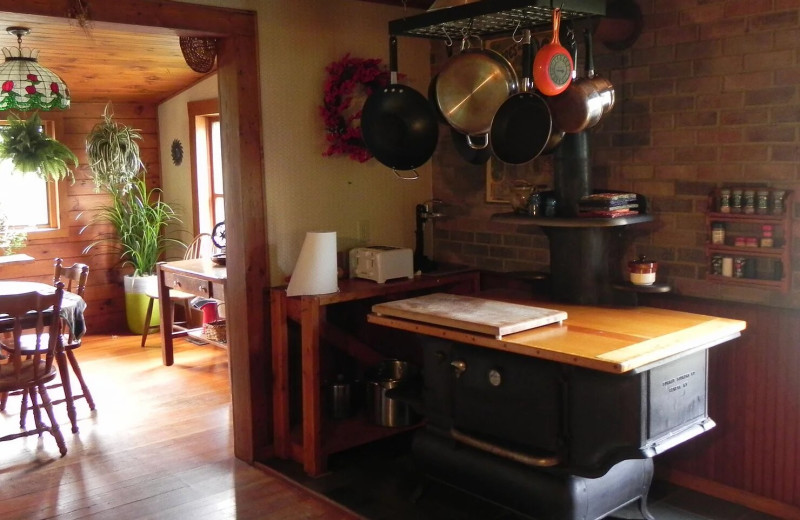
608, 205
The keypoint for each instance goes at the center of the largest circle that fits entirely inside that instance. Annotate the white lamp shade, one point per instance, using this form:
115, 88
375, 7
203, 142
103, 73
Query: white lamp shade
316, 268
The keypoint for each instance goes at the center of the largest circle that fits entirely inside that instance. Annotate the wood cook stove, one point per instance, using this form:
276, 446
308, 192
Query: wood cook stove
551, 440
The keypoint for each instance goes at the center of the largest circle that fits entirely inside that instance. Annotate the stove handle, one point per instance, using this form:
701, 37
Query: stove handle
459, 367
524, 458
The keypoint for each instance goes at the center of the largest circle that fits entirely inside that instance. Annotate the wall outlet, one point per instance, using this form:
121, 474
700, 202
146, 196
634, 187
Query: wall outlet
362, 230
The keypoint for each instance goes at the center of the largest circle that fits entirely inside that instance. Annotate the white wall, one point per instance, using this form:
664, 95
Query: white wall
173, 123
306, 191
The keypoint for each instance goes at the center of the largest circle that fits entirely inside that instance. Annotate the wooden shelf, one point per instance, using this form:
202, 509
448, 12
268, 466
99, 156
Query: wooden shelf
198, 334
577, 222
782, 227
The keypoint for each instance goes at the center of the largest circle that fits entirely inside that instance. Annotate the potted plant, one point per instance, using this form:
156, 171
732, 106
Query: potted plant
137, 215
10, 240
32, 151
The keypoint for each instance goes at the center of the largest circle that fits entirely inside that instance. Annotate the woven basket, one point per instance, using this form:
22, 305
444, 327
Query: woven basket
198, 52
216, 331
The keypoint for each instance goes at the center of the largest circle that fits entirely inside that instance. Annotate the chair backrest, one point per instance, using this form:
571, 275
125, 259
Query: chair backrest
202, 246
74, 276
25, 312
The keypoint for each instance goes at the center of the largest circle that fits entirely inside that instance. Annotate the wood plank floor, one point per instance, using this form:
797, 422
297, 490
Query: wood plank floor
159, 445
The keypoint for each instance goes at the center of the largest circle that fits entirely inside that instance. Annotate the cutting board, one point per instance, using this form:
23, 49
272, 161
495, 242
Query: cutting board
470, 313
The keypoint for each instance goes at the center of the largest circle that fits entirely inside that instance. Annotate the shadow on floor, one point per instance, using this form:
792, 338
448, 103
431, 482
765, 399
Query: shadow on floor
380, 482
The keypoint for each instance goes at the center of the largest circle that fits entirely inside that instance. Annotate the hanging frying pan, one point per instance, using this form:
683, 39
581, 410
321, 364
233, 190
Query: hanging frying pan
521, 127
398, 124
552, 67
471, 87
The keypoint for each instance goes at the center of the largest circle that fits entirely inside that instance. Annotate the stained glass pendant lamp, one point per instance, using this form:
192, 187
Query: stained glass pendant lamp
25, 84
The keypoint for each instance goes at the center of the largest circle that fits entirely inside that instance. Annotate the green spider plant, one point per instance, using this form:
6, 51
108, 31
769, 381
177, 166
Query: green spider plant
139, 218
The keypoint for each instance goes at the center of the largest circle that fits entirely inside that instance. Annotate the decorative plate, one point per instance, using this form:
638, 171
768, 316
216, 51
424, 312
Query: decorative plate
177, 152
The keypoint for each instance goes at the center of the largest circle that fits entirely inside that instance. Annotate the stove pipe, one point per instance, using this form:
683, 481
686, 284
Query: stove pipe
572, 173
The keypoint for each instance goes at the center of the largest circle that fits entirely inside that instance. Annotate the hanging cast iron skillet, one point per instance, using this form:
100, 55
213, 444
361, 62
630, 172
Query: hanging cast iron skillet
398, 124
522, 125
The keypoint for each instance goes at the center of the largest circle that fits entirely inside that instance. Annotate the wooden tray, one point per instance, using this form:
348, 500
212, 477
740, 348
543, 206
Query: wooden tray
470, 313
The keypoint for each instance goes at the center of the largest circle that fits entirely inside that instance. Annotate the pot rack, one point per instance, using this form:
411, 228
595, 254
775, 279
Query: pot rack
492, 18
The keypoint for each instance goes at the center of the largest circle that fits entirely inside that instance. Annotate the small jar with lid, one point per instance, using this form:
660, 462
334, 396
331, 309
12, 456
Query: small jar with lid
762, 202
766, 236
718, 233
739, 242
736, 200
749, 202
724, 205
642, 271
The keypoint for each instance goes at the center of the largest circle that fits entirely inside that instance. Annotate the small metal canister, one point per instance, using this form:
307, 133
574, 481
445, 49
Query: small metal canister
739, 266
762, 202
716, 264
724, 201
736, 201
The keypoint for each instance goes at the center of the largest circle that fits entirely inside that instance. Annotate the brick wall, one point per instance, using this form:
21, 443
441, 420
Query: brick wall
707, 96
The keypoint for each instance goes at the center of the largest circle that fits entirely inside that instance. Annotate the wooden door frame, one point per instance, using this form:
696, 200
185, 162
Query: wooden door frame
243, 182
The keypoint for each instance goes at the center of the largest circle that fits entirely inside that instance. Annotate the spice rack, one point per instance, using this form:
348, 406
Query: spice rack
730, 259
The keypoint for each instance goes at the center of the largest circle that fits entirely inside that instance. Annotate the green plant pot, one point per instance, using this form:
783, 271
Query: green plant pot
137, 300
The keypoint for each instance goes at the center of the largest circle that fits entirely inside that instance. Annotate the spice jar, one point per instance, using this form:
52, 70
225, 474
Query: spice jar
762, 201
736, 201
724, 201
766, 236
642, 271
777, 201
718, 233
749, 202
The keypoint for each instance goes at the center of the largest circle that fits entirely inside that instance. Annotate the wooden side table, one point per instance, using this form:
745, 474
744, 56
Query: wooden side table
310, 448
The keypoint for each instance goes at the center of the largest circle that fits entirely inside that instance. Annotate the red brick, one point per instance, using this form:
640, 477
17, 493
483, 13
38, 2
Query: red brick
703, 14
678, 69
698, 50
748, 81
697, 153
664, 54
774, 20
771, 133
654, 188
654, 88
706, 118
670, 35
722, 28
769, 60
721, 100
631, 75
633, 172
725, 135
747, 43
771, 171
734, 9
781, 96
743, 117
787, 77
720, 66
787, 38
786, 153
700, 85
745, 153
674, 138
785, 114
653, 155
720, 171
675, 172
673, 103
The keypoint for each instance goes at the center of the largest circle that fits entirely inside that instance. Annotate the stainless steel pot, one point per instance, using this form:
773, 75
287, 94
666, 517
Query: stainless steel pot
382, 409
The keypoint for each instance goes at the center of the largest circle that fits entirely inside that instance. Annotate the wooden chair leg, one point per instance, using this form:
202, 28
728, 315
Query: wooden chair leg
55, 431
76, 369
23, 409
147, 316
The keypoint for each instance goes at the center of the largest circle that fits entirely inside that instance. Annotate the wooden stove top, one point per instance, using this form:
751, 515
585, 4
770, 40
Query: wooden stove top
616, 340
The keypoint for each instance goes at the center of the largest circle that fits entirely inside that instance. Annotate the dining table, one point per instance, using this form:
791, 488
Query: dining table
72, 312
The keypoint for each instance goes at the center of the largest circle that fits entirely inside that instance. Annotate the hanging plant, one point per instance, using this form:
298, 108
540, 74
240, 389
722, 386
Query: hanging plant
32, 151
113, 154
350, 81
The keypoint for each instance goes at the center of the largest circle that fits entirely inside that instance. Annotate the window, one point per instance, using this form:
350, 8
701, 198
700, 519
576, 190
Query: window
208, 196
31, 204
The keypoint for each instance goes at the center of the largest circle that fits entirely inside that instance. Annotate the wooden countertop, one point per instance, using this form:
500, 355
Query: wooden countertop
616, 340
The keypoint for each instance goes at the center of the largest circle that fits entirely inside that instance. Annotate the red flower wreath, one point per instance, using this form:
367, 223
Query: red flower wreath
342, 127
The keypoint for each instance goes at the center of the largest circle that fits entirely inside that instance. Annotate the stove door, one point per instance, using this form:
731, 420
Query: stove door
506, 399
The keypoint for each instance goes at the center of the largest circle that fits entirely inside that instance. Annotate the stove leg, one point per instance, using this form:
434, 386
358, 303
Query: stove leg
643, 508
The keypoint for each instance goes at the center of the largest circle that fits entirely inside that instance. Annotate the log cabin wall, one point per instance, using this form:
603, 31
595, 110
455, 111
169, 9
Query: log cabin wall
104, 292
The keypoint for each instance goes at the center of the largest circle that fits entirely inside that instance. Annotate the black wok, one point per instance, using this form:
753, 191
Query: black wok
398, 124
521, 127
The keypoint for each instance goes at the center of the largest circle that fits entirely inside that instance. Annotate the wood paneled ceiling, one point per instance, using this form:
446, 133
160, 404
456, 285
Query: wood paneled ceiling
107, 62
104, 63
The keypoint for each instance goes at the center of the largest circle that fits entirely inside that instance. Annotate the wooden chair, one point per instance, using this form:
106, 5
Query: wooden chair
74, 277
200, 247
31, 374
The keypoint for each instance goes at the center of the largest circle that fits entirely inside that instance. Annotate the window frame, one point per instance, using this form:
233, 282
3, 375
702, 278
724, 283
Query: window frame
200, 113
56, 191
